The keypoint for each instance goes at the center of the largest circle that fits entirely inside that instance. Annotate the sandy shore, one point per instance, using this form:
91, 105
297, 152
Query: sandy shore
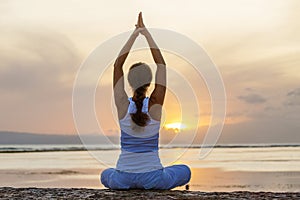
71, 193
204, 179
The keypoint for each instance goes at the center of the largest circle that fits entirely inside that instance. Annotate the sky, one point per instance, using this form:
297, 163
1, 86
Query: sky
255, 45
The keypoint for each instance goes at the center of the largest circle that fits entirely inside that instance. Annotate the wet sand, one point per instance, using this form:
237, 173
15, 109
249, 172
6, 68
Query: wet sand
203, 179
60, 193
206, 183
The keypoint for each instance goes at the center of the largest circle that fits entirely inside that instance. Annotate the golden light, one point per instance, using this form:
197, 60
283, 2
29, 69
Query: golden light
176, 126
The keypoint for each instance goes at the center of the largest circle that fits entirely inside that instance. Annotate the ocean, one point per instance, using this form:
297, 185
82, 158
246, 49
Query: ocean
257, 167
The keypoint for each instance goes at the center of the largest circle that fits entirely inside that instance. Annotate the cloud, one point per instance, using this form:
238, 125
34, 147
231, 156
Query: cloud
293, 98
262, 130
40, 61
295, 92
252, 98
37, 71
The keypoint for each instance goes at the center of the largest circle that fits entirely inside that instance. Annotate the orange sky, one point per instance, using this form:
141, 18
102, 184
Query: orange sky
254, 43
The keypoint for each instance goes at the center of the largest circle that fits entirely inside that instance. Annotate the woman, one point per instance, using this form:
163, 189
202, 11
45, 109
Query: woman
139, 116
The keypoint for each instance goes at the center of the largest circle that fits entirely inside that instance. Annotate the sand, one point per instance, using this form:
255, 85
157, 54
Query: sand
208, 180
72, 193
73, 184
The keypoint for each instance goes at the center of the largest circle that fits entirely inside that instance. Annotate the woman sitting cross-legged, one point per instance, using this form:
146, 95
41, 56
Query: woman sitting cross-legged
139, 116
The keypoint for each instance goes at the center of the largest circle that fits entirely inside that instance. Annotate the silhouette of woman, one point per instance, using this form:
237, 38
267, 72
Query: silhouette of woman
139, 116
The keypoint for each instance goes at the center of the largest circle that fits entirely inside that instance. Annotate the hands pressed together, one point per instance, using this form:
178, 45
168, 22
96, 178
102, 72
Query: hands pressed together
140, 27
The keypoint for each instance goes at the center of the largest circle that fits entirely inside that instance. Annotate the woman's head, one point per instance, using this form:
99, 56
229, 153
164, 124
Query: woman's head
139, 78
139, 75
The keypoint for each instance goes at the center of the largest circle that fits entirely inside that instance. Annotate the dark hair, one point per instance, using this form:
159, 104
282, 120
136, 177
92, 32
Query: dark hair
139, 78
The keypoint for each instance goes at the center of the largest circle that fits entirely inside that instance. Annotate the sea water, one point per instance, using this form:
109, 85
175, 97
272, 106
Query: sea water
271, 167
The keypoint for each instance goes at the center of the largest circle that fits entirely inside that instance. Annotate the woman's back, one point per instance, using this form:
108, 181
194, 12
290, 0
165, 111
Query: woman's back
139, 147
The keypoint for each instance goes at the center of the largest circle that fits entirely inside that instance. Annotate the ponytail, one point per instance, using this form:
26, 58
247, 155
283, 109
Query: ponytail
140, 118
139, 78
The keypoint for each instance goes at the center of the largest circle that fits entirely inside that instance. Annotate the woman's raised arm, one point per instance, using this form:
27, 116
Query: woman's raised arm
121, 98
158, 94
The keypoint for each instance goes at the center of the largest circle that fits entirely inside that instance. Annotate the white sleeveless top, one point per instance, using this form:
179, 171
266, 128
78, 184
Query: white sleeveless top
139, 149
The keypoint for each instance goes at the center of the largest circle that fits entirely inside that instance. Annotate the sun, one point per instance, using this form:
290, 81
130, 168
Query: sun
176, 126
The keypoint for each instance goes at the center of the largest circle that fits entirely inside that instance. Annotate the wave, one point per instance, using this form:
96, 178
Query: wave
234, 146
55, 148
49, 148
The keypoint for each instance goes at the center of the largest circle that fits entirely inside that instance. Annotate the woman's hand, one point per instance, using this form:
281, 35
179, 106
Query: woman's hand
140, 23
141, 26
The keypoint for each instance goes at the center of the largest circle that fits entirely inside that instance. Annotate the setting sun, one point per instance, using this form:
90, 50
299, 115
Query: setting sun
176, 126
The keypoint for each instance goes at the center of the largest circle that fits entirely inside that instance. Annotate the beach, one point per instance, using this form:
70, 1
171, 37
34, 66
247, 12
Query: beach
208, 180
254, 169
141, 86
47, 172
60, 193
